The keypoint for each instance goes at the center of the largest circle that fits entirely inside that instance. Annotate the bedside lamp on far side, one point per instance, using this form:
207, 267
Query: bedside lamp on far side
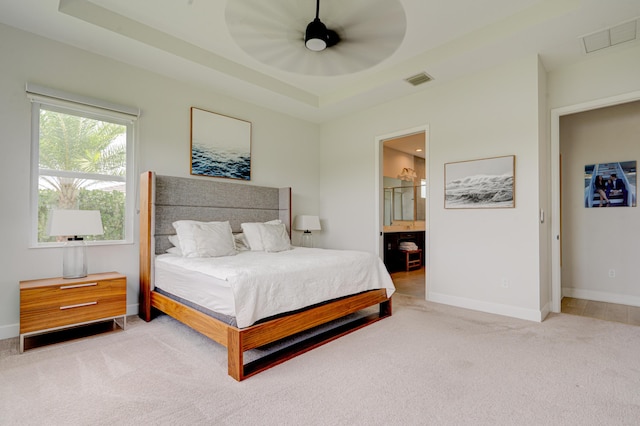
306, 224
71, 224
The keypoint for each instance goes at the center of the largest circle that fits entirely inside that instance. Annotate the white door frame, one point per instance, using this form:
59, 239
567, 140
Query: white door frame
379, 210
556, 113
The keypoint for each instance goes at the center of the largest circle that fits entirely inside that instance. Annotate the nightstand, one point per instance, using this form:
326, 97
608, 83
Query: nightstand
52, 304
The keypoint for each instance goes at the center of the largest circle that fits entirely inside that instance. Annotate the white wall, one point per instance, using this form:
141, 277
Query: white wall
611, 72
284, 149
597, 240
471, 251
395, 161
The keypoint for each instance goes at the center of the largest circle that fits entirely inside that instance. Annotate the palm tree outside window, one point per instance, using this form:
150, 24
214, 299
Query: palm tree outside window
83, 163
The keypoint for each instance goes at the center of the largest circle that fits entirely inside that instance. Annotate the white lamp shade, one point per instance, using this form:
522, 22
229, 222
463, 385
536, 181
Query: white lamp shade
307, 223
74, 222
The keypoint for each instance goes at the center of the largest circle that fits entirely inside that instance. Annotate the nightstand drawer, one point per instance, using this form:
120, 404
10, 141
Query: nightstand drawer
91, 310
64, 294
52, 303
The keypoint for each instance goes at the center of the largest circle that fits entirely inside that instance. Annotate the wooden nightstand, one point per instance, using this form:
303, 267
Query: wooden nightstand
56, 303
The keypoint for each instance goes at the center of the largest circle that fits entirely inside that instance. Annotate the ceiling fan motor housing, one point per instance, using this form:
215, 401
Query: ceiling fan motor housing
316, 36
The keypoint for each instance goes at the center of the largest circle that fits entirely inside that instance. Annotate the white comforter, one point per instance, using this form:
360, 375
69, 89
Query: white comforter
266, 284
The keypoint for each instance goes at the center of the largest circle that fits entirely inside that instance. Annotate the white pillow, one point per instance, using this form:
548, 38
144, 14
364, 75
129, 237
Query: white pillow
174, 250
241, 242
173, 239
251, 230
274, 237
205, 239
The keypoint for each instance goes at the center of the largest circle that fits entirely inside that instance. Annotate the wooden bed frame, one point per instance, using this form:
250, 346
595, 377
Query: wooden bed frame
239, 340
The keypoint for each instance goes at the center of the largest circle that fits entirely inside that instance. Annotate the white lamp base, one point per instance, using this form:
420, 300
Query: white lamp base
306, 239
74, 259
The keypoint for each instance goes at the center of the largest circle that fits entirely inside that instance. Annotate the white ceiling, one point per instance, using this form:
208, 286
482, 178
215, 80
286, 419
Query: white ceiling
189, 40
413, 144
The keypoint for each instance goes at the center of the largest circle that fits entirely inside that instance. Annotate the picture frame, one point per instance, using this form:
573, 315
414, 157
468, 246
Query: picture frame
610, 184
220, 145
486, 183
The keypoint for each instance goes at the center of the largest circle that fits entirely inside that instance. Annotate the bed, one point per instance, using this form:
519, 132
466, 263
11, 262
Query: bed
165, 200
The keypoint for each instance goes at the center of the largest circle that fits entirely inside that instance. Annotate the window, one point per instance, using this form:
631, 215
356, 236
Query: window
82, 159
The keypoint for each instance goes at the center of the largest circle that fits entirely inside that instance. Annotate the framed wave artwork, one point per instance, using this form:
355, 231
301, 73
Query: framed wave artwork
480, 184
220, 145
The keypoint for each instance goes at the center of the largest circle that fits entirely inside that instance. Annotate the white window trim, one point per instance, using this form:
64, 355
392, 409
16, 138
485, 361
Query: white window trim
120, 114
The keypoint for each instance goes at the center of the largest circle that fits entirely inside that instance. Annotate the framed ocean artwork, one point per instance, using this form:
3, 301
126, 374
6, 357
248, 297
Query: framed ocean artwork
480, 184
220, 145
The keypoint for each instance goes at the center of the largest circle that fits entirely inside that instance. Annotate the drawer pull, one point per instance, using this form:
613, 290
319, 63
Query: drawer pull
79, 305
66, 287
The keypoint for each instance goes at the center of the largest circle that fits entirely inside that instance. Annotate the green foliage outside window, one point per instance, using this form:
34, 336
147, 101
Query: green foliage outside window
94, 153
110, 203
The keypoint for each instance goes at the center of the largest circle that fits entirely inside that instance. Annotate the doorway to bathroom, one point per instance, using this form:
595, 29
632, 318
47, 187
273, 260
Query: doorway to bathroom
403, 209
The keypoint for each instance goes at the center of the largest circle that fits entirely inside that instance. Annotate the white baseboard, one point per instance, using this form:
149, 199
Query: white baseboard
9, 331
492, 308
546, 310
133, 309
601, 296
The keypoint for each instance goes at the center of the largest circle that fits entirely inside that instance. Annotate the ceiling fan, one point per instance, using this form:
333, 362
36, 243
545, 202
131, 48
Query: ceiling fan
351, 36
318, 37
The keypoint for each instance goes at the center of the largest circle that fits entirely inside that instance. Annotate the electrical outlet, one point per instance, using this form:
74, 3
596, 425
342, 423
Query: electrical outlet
612, 273
505, 283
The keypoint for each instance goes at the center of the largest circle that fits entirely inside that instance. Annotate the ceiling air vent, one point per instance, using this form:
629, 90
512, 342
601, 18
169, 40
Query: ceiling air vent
610, 37
419, 79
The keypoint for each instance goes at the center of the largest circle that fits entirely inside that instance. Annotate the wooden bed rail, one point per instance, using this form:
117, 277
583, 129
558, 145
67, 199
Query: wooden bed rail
241, 340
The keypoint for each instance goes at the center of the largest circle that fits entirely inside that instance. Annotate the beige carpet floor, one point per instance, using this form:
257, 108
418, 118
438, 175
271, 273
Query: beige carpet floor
428, 364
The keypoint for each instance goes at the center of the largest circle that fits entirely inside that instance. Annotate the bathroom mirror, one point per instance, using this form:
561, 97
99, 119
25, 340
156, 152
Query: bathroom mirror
400, 201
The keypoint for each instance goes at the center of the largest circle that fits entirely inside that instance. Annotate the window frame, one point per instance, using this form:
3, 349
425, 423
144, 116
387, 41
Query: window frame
67, 103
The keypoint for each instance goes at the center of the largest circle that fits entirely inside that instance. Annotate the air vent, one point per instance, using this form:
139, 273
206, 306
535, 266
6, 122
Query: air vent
419, 79
610, 37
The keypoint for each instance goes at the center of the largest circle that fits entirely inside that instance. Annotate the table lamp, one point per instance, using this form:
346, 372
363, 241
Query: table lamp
306, 224
72, 224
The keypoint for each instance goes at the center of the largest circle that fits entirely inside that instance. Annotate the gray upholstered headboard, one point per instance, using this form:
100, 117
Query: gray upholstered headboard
212, 200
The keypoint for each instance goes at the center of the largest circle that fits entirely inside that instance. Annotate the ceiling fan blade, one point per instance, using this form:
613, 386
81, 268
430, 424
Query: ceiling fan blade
273, 33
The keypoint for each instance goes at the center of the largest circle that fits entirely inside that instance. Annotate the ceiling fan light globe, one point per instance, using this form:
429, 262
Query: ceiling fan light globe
316, 44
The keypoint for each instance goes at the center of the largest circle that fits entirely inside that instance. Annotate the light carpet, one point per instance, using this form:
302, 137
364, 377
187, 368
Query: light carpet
428, 364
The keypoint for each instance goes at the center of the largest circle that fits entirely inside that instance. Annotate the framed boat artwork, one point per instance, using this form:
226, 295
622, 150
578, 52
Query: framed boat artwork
220, 145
